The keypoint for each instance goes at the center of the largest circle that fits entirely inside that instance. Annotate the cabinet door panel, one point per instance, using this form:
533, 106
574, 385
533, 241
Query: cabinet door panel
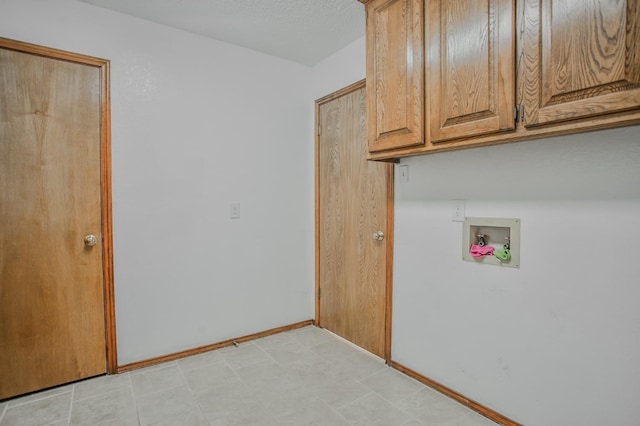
470, 67
582, 59
395, 74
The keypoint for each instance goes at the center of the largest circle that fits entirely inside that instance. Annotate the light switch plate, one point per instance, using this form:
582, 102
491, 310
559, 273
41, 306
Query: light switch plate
403, 173
457, 211
234, 211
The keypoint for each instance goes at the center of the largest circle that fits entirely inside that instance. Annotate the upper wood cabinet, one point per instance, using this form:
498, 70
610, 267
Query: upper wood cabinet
582, 59
449, 74
395, 74
470, 68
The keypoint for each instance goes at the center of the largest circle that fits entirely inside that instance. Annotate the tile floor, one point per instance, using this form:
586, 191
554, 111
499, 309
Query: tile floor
302, 377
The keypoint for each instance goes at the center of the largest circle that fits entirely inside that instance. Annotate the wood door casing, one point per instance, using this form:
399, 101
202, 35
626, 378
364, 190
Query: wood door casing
582, 59
470, 68
56, 304
351, 205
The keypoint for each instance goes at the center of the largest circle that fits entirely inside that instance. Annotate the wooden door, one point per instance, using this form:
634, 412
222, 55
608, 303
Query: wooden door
582, 59
471, 68
52, 292
353, 198
395, 73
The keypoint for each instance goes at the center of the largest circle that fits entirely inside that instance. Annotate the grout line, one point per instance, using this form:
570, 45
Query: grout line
73, 395
186, 382
337, 410
135, 399
419, 389
36, 399
269, 355
367, 391
334, 410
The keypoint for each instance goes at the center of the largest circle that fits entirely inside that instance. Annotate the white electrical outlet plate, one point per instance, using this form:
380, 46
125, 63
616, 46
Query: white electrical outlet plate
234, 211
457, 211
403, 173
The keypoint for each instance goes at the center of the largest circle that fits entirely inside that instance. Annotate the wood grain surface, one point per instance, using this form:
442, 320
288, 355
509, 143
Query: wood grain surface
470, 67
395, 73
582, 59
352, 206
596, 94
52, 306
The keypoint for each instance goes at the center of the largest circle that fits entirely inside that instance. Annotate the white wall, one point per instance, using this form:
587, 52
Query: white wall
556, 342
197, 124
341, 69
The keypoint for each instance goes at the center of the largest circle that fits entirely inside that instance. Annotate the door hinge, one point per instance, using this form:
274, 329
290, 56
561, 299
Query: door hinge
518, 113
318, 130
318, 292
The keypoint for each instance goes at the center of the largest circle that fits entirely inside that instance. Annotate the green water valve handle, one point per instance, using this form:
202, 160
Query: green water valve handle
504, 255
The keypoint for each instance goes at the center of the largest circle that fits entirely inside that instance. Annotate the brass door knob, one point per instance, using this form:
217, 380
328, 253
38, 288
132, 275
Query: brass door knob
378, 236
90, 240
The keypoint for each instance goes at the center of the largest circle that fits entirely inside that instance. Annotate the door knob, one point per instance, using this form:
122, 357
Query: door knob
90, 240
378, 236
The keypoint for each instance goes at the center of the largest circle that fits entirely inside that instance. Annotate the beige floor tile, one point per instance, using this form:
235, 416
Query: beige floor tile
99, 385
191, 418
269, 377
335, 349
274, 340
210, 376
229, 403
199, 361
312, 412
340, 392
245, 354
288, 352
359, 366
157, 379
170, 403
474, 419
413, 423
372, 410
37, 412
392, 385
430, 407
113, 408
39, 395
285, 401
303, 377
311, 336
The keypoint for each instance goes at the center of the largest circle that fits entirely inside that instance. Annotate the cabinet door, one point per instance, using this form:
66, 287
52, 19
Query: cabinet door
470, 67
582, 59
395, 74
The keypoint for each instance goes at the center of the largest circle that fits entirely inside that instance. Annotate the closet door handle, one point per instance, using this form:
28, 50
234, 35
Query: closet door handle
90, 240
378, 236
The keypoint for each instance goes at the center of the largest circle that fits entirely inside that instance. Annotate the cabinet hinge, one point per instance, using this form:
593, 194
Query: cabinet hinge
318, 130
518, 113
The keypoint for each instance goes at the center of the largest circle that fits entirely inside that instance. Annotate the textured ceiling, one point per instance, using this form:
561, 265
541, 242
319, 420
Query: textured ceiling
304, 31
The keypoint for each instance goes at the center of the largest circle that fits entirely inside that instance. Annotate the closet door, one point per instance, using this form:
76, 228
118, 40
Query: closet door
353, 197
52, 282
